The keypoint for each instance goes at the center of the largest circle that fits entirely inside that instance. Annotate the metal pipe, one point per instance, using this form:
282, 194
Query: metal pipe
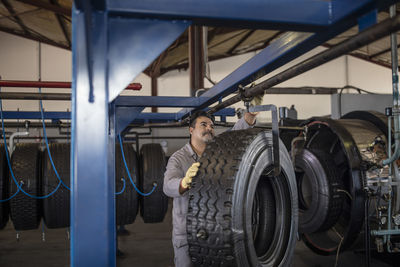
35, 96
41, 138
34, 84
14, 135
36, 125
395, 85
366, 37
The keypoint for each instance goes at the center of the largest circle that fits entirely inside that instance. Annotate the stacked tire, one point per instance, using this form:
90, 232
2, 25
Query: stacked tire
127, 202
26, 212
4, 189
56, 208
154, 206
35, 174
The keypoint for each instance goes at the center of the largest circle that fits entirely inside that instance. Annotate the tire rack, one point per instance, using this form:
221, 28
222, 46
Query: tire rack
101, 32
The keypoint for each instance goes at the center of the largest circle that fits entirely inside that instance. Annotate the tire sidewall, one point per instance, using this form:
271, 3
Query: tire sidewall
256, 159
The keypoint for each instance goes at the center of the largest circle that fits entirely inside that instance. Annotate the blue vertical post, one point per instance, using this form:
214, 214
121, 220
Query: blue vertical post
92, 145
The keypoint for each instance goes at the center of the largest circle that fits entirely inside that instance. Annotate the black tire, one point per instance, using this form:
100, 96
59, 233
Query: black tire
4, 206
235, 170
25, 211
320, 201
127, 203
56, 208
153, 207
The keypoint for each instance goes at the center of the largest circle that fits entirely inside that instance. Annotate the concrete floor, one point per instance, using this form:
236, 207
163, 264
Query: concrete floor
148, 245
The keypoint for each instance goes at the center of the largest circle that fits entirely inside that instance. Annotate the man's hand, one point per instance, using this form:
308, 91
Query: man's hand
250, 117
191, 172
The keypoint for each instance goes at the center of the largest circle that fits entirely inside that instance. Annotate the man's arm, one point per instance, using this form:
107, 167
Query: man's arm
172, 177
247, 121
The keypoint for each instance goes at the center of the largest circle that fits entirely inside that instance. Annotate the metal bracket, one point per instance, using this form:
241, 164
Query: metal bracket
275, 133
246, 100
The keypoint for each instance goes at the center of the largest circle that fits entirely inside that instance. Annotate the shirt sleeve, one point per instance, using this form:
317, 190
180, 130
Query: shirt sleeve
172, 177
241, 125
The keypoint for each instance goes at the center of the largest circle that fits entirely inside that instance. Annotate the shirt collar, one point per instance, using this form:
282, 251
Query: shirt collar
191, 152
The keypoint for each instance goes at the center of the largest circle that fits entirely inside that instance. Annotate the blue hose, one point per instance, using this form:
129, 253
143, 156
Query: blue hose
123, 187
9, 164
129, 174
47, 145
4, 200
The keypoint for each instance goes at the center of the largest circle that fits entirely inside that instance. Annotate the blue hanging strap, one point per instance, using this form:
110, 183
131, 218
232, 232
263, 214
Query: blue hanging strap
123, 187
129, 174
47, 144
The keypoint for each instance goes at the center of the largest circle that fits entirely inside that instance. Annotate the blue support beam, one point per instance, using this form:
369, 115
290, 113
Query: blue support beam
135, 112
92, 145
367, 20
125, 115
145, 40
294, 15
30, 115
159, 101
289, 15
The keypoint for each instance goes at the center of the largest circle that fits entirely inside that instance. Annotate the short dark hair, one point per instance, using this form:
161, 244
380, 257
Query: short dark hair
199, 113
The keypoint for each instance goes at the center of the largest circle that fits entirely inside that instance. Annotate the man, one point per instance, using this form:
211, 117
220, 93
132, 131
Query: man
183, 166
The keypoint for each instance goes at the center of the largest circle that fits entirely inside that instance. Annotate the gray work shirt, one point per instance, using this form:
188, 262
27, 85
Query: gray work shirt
177, 166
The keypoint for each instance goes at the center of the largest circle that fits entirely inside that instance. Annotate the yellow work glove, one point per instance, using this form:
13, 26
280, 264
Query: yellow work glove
257, 100
191, 172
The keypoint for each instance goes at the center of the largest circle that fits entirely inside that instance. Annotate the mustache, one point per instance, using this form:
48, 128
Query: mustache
210, 133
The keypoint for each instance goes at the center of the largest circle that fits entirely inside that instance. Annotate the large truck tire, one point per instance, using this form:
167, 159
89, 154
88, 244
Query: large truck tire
4, 206
56, 208
239, 213
26, 211
127, 203
153, 207
319, 187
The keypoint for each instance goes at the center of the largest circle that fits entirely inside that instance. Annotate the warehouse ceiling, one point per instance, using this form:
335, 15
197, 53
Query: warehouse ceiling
49, 21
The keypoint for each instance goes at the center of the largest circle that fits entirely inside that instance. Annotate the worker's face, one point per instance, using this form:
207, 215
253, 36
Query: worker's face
203, 130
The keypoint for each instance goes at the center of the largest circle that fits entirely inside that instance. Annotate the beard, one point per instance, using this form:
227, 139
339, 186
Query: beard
208, 137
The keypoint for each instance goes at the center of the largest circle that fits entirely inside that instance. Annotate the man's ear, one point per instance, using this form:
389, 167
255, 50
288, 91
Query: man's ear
190, 130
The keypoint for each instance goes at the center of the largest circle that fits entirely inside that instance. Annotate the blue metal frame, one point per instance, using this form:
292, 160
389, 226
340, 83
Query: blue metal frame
146, 116
92, 145
114, 40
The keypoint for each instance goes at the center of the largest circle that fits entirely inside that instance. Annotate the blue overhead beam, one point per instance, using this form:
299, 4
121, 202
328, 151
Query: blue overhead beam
56, 115
31, 115
159, 101
305, 15
290, 15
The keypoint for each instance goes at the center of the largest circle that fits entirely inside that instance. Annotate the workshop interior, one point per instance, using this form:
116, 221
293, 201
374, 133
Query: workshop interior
96, 96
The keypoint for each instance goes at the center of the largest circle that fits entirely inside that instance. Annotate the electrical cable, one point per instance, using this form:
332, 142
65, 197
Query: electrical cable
9, 163
129, 174
123, 187
359, 90
47, 144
